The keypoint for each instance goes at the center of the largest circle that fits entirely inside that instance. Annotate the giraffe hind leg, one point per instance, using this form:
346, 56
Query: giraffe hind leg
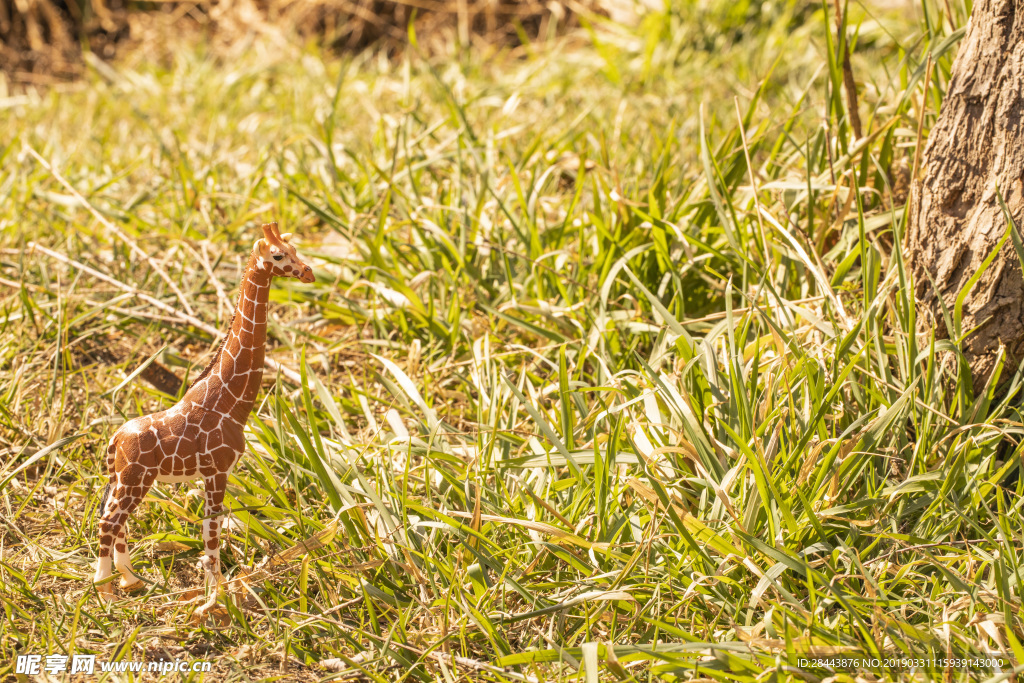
128, 491
103, 562
104, 570
123, 562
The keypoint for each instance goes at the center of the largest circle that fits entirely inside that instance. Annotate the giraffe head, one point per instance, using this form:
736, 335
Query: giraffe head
279, 257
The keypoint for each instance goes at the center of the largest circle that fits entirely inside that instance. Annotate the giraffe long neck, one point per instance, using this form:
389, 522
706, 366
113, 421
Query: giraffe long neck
230, 383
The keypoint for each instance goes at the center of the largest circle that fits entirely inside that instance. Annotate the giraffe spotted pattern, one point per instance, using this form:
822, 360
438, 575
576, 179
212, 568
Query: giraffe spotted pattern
201, 436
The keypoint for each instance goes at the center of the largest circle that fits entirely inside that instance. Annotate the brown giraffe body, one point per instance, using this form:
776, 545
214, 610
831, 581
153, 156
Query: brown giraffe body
201, 436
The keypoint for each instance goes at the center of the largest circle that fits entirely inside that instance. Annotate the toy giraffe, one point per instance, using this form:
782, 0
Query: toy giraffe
202, 435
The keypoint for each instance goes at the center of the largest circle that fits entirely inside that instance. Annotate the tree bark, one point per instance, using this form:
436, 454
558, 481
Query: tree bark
976, 146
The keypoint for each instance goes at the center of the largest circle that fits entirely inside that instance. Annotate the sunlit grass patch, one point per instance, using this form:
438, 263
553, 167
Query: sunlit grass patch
609, 368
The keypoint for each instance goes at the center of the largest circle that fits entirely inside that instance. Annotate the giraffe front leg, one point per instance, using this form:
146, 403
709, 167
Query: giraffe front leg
215, 487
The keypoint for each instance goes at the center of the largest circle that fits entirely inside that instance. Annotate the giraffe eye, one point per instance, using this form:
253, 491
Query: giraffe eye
278, 257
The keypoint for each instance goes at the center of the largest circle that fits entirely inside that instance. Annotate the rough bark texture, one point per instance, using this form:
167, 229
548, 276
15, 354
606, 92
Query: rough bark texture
976, 146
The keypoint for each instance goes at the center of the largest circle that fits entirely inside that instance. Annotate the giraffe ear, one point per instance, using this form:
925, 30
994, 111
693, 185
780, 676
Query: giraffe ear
260, 247
285, 236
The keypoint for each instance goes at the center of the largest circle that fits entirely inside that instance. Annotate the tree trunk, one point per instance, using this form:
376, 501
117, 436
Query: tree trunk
976, 146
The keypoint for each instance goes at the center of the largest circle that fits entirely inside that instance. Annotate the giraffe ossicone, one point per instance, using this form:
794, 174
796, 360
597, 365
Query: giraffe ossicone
201, 436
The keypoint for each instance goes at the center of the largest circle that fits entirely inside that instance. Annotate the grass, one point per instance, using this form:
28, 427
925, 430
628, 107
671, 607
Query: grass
609, 372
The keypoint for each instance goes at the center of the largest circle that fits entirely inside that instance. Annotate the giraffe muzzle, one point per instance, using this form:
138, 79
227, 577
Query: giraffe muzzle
307, 275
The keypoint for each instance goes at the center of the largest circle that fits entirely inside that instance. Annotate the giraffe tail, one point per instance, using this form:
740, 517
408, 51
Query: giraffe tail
103, 502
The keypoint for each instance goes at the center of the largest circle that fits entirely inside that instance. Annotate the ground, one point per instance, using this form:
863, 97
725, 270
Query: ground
608, 371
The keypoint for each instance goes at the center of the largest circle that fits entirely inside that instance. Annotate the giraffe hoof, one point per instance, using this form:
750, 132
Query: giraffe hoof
106, 592
131, 585
216, 613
